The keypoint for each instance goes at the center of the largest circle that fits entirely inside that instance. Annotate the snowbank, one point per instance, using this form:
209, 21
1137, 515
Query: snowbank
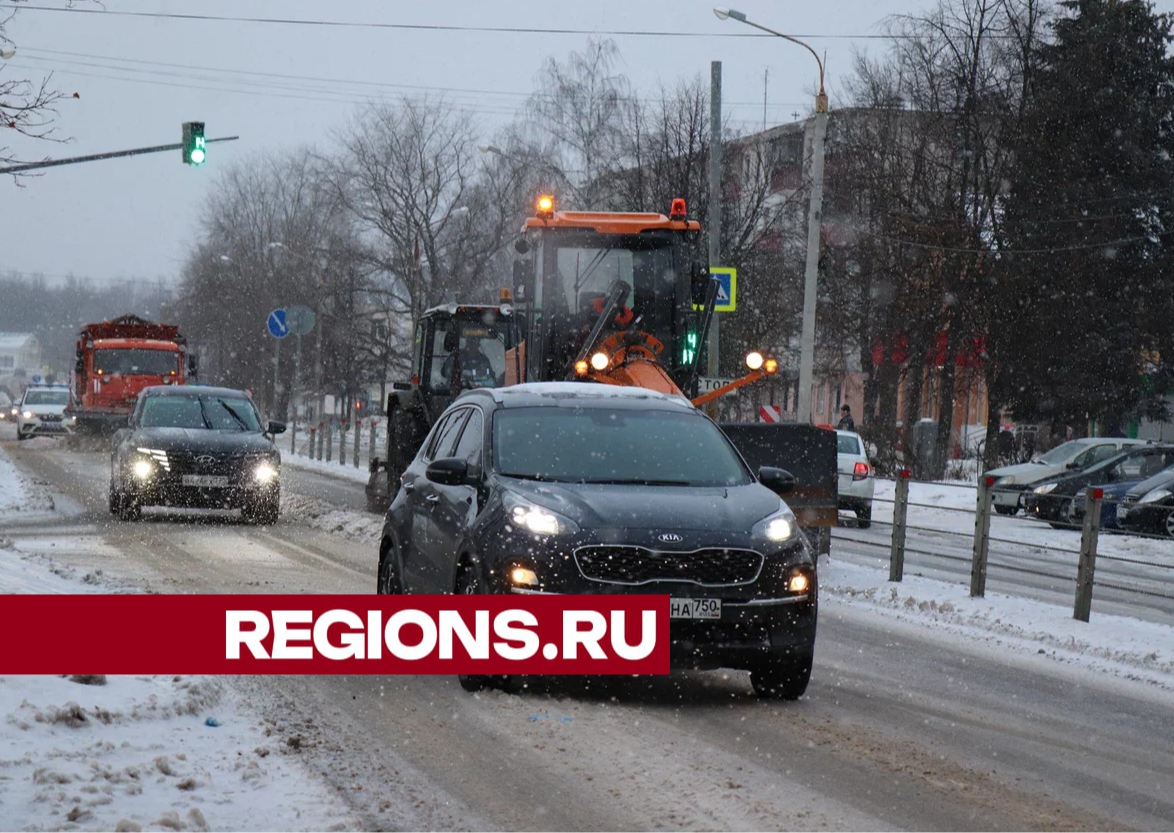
1117, 645
332, 469
141, 752
20, 495
318, 514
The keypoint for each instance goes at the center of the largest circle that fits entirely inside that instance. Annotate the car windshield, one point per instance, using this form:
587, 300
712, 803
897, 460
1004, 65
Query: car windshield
1061, 453
215, 413
606, 445
46, 397
132, 362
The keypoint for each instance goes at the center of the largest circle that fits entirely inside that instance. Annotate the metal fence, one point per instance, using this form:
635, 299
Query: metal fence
358, 440
986, 553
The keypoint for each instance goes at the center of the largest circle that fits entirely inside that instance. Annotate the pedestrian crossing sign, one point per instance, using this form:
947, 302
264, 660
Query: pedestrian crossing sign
727, 292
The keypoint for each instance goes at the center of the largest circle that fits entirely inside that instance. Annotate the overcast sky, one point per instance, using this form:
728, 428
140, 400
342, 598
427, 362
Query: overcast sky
136, 216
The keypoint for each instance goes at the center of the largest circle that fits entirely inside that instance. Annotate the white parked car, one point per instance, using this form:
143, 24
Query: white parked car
856, 481
41, 412
1075, 455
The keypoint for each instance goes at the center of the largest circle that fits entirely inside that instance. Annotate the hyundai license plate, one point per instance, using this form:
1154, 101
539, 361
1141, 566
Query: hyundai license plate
1122, 511
205, 481
695, 608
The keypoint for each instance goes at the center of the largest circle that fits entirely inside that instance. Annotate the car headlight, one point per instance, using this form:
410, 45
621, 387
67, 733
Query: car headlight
1156, 496
530, 517
1045, 489
265, 473
1005, 480
776, 527
143, 469
27, 415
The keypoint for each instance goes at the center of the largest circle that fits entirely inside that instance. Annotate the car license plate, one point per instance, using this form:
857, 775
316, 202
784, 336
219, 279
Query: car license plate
695, 608
206, 481
1122, 511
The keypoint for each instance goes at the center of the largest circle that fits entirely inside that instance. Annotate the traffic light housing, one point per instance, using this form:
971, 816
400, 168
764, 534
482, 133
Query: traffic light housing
194, 149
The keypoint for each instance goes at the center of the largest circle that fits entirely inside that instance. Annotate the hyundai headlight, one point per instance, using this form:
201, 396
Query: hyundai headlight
143, 469
524, 515
777, 527
265, 473
1045, 489
1156, 496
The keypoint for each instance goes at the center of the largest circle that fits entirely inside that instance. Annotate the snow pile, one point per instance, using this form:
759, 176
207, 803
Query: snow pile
1118, 645
331, 469
20, 495
317, 514
159, 752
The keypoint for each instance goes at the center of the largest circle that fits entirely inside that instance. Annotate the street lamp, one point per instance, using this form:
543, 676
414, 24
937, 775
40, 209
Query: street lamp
814, 216
7, 53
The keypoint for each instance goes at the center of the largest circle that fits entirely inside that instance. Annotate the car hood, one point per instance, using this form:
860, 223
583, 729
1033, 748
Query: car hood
1026, 472
44, 409
198, 441
703, 508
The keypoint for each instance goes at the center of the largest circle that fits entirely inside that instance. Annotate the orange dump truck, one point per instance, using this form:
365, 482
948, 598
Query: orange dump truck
117, 359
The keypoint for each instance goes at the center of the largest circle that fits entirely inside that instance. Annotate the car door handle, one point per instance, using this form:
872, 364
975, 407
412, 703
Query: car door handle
409, 486
433, 498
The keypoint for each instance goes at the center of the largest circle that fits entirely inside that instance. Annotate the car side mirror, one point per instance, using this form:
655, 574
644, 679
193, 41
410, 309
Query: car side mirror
275, 427
779, 481
448, 471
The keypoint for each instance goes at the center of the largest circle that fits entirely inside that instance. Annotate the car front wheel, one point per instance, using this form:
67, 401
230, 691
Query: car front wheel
783, 678
1170, 524
469, 583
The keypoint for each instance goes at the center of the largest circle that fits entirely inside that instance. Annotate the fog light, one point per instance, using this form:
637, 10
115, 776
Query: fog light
264, 473
600, 361
143, 469
798, 583
581, 367
523, 576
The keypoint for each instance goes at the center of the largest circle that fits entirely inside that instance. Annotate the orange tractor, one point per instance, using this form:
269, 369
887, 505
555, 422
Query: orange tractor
606, 297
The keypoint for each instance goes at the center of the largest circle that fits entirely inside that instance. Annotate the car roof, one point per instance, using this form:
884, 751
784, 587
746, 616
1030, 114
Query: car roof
193, 390
581, 394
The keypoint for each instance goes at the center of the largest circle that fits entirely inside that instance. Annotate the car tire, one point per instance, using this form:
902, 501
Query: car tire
264, 511
469, 583
1170, 525
783, 678
129, 509
1006, 510
864, 517
388, 582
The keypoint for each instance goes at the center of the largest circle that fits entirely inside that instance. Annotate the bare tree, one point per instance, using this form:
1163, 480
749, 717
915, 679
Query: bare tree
27, 106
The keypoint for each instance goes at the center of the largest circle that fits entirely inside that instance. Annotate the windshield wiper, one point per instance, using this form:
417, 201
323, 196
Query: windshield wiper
204, 413
244, 426
540, 477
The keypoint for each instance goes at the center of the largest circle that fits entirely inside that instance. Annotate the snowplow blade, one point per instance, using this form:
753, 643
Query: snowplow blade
807, 452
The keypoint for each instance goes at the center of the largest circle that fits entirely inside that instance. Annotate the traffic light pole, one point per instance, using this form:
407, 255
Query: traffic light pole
73, 160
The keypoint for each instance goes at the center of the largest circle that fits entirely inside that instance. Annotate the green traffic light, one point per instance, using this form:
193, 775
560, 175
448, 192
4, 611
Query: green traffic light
197, 156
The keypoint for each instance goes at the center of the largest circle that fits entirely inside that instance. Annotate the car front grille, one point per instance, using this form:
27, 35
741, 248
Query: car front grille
640, 565
185, 462
49, 417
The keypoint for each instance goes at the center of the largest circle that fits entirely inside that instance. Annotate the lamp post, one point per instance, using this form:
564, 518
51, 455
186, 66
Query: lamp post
814, 216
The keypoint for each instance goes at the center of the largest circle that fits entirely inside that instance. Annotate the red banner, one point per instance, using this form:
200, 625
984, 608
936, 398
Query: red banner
517, 634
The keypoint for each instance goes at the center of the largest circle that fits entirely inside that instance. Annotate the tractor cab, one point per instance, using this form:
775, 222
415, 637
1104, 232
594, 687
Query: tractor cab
610, 297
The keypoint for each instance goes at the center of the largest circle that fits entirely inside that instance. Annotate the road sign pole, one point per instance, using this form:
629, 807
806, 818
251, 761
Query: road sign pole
276, 376
715, 209
297, 379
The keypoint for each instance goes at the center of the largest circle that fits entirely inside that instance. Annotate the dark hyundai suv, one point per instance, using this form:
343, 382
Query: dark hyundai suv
196, 446
580, 488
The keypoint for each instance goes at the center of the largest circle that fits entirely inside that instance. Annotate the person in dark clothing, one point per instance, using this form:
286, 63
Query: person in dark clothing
846, 422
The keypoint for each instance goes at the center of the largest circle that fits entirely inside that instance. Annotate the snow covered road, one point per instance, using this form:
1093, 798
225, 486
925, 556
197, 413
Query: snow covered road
909, 723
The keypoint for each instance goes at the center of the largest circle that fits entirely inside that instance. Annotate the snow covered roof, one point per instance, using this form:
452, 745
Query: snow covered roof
14, 341
534, 393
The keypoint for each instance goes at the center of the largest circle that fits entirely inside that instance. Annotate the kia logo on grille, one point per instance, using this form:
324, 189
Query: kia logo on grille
669, 538
205, 459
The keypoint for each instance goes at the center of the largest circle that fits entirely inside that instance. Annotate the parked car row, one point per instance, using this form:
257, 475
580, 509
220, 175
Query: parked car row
1136, 476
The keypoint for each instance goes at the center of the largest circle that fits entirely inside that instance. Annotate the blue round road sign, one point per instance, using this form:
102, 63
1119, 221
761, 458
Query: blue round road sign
277, 325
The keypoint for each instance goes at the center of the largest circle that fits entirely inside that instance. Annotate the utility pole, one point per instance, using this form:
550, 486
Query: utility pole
713, 367
811, 274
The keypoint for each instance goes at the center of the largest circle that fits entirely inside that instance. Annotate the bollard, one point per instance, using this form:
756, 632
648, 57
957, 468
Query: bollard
321, 438
313, 436
1086, 566
342, 426
293, 436
329, 439
982, 534
371, 450
900, 510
